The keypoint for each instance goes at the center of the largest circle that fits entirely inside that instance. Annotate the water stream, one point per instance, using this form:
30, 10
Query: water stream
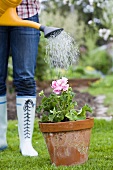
61, 51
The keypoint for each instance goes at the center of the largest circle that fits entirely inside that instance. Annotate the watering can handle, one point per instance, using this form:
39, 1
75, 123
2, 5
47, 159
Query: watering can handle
10, 18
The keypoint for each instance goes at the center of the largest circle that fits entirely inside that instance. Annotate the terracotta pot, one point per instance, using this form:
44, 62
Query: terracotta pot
68, 142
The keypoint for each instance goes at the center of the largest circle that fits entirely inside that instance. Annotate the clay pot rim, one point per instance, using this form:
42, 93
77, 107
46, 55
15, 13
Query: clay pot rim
67, 126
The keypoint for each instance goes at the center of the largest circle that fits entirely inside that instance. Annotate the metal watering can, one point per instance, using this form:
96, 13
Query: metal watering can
9, 17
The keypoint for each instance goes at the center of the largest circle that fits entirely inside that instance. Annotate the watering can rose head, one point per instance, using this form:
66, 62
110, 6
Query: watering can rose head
60, 105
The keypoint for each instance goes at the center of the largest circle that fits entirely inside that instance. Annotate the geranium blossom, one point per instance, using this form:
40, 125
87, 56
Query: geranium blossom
60, 85
54, 84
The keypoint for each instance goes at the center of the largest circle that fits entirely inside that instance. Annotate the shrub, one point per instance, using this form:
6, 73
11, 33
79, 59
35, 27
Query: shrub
100, 60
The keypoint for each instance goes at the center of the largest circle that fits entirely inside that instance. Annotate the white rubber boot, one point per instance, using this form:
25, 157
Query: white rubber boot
26, 114
3, 122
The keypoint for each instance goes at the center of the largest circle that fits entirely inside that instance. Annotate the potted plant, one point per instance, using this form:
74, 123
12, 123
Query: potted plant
66, 130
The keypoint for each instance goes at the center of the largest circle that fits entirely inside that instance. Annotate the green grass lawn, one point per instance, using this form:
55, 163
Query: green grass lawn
100, 153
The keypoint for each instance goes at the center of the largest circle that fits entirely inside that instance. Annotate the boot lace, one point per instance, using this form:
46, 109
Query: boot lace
27, 117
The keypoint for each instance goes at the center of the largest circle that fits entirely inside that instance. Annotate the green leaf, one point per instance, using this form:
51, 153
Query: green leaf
59, 116
82, 112
38, 109
44, 99
44, 118
51, 117
87, 108
56, 116
84, 109
72, 115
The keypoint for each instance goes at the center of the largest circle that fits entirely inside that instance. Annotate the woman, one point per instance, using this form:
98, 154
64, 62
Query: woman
23, 43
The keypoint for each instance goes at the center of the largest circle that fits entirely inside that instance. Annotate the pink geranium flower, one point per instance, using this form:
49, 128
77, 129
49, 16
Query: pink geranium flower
65, 88
64, 80
60, 85
54, 84
57, 91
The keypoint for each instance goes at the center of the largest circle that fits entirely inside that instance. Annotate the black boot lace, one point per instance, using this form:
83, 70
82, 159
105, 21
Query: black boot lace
27, 117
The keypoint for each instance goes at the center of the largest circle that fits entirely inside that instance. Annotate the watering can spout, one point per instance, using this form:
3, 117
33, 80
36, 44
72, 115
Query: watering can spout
9, 17
49, 31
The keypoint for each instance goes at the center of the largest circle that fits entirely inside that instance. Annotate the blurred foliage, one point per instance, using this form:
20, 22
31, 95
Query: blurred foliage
41, 65
88, 11
105, 82
82, 72
10, 69
74, 72
99, 59
52, 6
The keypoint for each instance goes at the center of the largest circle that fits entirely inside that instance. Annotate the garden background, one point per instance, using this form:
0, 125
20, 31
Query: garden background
90, 23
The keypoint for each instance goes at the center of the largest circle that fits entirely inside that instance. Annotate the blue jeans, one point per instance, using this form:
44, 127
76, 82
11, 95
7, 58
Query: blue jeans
23, 43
